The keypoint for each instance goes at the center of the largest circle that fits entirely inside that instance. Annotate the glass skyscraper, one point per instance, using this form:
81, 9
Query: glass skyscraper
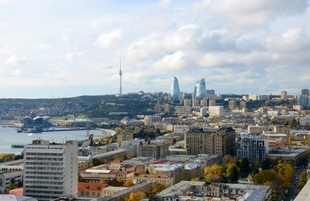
200, 91
176, 96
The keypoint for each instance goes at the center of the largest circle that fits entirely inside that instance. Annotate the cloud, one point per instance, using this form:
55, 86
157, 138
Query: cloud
174, 62
109, 40
13, 60
4, 25
254, 13
17, 72
43, 46
71, 56
164, 3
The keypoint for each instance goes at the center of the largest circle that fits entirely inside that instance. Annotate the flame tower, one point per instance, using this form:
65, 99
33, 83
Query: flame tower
120, 78
176, 96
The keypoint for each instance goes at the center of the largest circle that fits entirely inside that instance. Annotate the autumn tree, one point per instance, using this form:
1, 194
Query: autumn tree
136, 196
264, 176
128, 183
102, 180
159, 187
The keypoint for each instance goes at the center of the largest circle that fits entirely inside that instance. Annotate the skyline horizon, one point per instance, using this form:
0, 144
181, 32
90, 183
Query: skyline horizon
71, 48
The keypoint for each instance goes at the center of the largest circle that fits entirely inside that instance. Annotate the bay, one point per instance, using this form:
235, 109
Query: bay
10, 136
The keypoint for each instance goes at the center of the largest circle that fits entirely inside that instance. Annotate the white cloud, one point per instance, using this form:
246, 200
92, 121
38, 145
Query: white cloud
13, 60
243, 13
109, 40
173, 62
17, 72
164, 3
71, 56
4, 25
43, 46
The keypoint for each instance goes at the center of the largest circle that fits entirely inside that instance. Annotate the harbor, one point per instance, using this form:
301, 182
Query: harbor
13, 142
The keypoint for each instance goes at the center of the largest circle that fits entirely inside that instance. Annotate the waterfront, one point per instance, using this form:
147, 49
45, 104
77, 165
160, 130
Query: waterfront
9, 136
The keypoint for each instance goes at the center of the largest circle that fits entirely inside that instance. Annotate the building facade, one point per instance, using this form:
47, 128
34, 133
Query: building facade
252, 146
50, 169
210, 141
155, 149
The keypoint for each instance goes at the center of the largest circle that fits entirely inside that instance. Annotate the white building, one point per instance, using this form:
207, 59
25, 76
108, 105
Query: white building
7, 178
50, 169
216, 110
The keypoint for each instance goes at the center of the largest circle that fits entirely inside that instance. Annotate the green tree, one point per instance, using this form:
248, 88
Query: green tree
266, 164
11, 186
234, 175
245, 166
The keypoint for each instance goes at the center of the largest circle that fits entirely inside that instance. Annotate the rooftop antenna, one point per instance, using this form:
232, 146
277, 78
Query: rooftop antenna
120, 77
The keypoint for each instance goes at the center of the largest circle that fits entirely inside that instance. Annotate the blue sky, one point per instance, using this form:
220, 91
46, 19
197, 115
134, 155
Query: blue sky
51, 49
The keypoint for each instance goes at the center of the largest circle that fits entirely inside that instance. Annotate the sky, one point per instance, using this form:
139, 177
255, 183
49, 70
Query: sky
68, 48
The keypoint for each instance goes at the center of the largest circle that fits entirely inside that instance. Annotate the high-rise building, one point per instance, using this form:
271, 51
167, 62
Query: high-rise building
252, 146
210, 141
303, 100
176, 97
187, 102
232, 104
203, 102
210, 92
200, 91
50, 169
212, 102
195, 102
158, 107
283, 95
304, 92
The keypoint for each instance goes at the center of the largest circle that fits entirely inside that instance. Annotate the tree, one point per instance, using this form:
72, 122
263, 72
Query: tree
245, 166
266, 164
264, 176
11, 186
159, 187
136, 196
234, 175
102, 180
128, 183
131, 155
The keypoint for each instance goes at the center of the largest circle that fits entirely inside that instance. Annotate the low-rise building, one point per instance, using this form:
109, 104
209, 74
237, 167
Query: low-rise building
204, 191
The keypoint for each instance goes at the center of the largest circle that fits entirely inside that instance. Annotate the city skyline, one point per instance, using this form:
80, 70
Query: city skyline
55, 49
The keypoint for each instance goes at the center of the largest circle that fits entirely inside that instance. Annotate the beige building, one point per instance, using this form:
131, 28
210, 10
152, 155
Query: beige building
154, 148
212, 102
163, 173
124, 137
210, 141
203, 102
158, 107
284, 95
187, 102
232, 104
195, 102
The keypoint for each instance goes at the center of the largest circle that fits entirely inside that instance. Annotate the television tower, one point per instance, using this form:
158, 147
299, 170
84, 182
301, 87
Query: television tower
120, 78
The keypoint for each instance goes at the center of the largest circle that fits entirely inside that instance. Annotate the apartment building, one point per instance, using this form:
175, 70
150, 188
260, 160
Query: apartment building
252, 146
50, 169
210, 141
154, 148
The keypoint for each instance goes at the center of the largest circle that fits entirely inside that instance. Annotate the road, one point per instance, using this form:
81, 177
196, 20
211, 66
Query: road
293, 189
